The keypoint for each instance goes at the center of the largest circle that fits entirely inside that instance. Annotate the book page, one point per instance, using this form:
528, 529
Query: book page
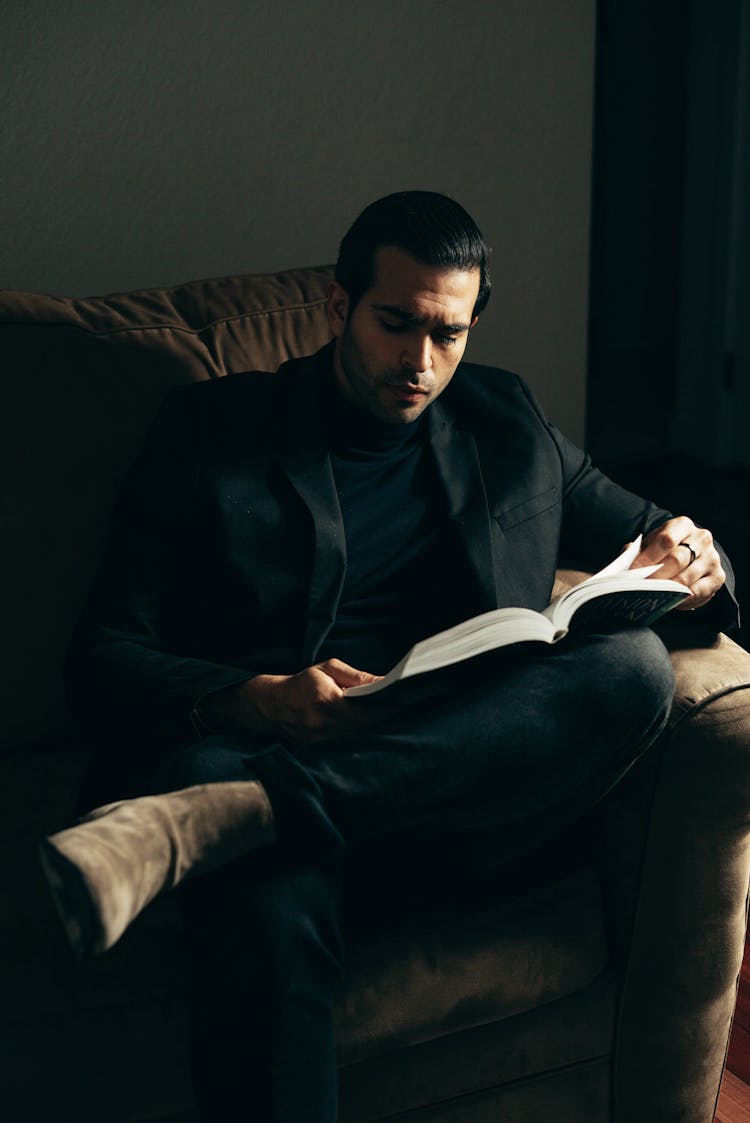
498, 628
621, 564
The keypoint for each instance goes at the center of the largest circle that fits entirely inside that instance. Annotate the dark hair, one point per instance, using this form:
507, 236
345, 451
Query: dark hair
431, 227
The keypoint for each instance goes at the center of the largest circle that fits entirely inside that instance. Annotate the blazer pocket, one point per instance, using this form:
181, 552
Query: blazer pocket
529, 509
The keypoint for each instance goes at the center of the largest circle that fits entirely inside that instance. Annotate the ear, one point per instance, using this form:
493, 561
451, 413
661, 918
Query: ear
337, 308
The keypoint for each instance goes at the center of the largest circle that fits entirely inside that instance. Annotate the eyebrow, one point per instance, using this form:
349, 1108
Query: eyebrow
409, 318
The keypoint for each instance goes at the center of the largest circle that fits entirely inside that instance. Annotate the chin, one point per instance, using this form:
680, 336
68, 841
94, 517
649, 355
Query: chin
403, 416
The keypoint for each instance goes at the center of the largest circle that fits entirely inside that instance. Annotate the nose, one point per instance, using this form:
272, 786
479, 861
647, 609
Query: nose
417, 355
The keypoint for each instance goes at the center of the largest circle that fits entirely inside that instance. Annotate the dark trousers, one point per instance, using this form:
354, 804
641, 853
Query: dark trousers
522, 748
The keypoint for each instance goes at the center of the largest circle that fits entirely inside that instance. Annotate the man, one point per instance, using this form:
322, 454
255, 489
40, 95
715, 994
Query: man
286, 536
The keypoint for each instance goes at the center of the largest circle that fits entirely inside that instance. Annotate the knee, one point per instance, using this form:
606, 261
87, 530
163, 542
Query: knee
631, 677
212, 760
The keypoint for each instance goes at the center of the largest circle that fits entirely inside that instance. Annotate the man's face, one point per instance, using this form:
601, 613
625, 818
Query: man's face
402, 343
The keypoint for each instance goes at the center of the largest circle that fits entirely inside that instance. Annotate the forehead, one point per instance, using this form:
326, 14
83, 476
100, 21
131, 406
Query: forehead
400, 280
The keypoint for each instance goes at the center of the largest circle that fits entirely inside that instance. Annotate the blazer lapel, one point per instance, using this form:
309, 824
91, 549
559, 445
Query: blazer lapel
305, 460
461, 475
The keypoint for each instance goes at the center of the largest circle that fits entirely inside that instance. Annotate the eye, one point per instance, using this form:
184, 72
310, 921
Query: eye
445, 340
395, 328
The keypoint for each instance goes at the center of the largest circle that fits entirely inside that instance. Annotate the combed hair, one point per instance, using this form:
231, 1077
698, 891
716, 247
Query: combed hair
431, 227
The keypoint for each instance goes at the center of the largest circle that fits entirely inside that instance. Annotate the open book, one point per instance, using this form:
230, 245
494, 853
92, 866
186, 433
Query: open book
614, 595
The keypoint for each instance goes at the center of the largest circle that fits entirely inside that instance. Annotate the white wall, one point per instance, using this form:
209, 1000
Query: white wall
149, 142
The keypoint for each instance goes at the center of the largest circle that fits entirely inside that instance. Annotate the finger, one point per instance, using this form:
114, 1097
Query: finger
693, 558
345, 675
681, 559
322, 687
702, 592
660, 543
703, 578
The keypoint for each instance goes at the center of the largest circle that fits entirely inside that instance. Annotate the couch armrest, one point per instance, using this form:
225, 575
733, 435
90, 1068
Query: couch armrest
690, 901
705, 670
673, 849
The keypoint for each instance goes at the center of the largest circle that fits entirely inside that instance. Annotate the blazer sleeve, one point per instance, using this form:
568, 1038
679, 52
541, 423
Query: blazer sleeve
599, 517
129, 666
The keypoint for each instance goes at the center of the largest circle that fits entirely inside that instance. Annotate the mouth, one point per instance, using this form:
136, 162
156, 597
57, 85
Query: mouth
407, 393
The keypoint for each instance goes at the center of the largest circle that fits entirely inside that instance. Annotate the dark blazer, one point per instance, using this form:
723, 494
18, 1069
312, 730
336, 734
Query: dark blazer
227, 554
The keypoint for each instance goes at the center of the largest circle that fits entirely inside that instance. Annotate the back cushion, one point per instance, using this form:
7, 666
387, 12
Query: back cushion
81, 381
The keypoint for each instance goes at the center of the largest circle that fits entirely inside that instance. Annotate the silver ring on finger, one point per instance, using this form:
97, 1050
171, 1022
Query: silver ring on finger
693, 554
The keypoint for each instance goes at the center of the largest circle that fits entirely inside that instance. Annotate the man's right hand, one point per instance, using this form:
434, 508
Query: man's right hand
308, 706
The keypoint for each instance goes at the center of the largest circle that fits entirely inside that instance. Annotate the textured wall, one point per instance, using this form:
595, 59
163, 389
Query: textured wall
162, 140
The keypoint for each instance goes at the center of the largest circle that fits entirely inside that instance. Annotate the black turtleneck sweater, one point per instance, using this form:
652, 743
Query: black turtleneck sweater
402, 566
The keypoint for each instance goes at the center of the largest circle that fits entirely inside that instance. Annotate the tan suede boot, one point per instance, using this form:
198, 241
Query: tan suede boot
104, 870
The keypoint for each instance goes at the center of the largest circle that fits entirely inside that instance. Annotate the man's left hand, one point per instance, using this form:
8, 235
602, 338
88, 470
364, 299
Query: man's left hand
687, 554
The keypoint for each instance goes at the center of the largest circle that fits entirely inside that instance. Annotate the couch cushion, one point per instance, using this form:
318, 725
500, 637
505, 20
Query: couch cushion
485, 964
82, 379
493, 1064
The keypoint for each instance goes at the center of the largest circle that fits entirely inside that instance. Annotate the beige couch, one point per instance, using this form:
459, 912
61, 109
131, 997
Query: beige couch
596, 983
